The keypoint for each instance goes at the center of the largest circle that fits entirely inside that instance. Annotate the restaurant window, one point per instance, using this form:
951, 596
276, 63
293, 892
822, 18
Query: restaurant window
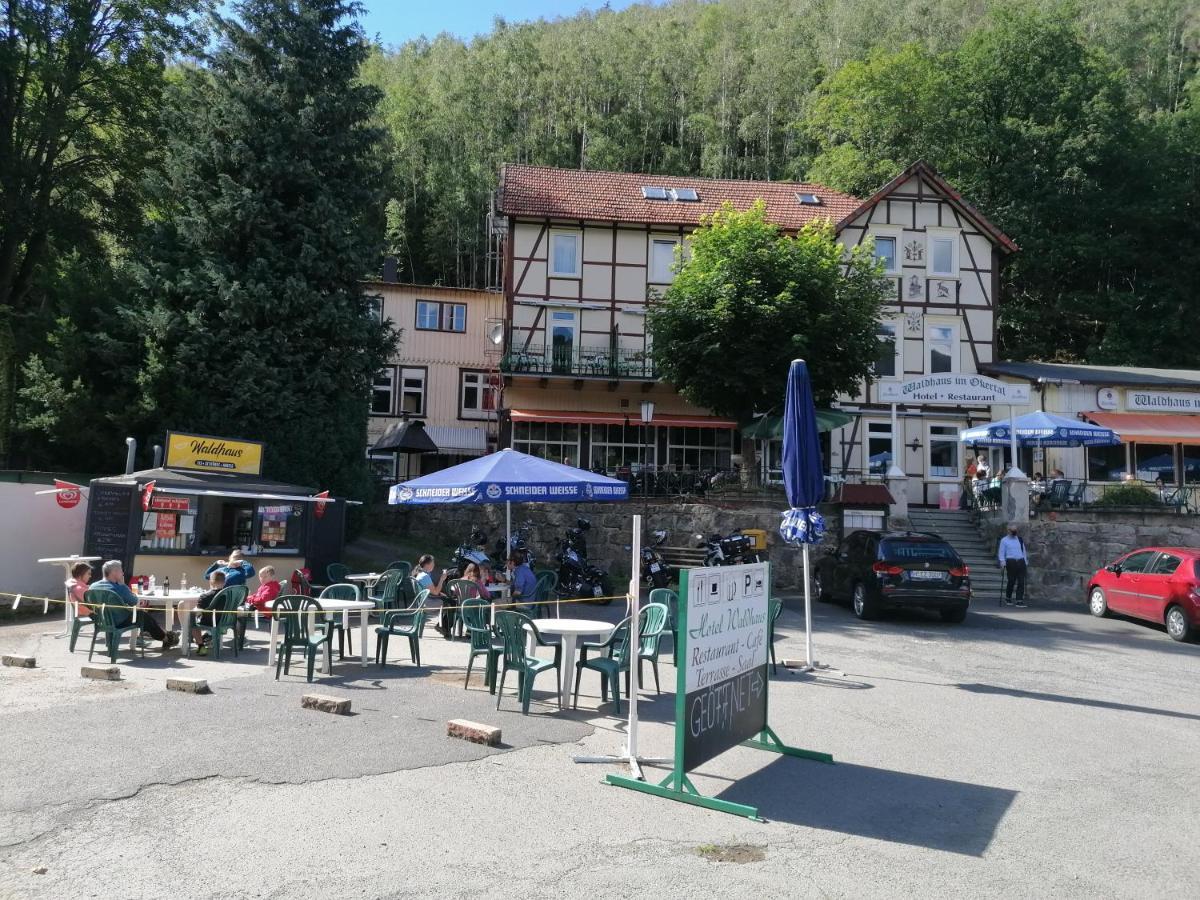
555, 441
170, 523
1152, 461
1191, 464
476, 395
700, 449
383, 391
564, 254
412, 391
435, 316
943, 451
622, 447
885, 252
941, 348
662, 260
879, 447
887, 363
1106, 463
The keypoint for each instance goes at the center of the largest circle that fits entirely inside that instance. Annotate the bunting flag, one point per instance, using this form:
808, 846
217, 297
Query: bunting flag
147, 494
319, 511
67, 494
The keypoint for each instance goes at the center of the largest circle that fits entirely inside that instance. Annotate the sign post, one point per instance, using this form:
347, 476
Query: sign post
722, 682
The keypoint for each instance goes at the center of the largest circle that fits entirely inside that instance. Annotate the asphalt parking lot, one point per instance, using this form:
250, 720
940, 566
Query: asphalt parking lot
1037, 752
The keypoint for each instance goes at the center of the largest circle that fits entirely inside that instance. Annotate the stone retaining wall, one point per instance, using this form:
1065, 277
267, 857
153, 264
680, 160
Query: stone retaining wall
1065, 548
610, 531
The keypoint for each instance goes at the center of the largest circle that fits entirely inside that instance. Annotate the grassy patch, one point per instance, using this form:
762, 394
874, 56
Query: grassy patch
732, 853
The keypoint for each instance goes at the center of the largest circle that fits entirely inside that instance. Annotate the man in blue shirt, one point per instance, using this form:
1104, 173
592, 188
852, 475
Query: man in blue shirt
236, 570
1014, 560
114, 581
524, 582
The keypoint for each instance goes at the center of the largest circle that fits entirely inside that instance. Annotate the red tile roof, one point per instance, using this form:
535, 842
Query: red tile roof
544, 191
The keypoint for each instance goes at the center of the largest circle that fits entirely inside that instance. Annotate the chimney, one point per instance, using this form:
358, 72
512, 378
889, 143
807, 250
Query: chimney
158, 456
130, 453
391, 270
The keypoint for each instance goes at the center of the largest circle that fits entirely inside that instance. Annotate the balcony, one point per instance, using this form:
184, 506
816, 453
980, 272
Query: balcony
580, 362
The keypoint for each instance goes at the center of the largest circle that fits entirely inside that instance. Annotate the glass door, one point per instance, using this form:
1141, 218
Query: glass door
564, 337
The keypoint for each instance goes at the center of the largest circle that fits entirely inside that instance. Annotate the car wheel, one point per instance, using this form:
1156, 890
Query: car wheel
863, 608
819, 589
1178, 626
953, 616
1097, 603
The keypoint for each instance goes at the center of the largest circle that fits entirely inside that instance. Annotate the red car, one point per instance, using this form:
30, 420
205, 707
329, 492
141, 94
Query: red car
1158, 584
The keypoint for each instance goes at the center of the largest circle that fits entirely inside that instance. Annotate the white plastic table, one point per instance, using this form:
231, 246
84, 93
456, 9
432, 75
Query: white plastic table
345, 607
570, 630
367, 580
67, 562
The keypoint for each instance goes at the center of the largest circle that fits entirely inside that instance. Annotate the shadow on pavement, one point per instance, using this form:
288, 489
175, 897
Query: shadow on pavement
899, 807
1076, 701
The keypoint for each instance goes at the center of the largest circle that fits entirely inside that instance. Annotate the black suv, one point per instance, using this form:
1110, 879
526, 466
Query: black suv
895, 570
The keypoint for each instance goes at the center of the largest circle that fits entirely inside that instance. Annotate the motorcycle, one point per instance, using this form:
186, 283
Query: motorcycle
469, 551
518, 544
655, 571
733, 550
577, 578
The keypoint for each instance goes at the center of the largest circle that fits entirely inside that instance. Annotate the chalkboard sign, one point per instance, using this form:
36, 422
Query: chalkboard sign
721, 698
326, 536
111, 519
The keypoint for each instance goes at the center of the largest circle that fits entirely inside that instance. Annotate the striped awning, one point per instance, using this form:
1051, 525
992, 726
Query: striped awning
458, 440
1150, 428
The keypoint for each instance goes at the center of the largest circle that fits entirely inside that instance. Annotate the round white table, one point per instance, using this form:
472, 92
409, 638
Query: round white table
364, 581
570, 631
67, 562
345, 607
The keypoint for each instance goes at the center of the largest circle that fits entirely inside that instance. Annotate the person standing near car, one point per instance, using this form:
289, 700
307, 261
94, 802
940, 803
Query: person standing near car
1015, 562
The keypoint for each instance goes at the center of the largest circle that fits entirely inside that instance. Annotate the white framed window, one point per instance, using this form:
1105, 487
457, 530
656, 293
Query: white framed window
942, 255
662, 259
623, 446
412, 390
941, 347
555, 441
700, 449
879, 448
887, 247
428, 315
436, 316
944, 452
476, 395
383, 466
564, 254
383, 392
888, 362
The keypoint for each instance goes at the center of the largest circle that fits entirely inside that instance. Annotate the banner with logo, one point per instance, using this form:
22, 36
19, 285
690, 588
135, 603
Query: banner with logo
494, 492
204, 453
67, 494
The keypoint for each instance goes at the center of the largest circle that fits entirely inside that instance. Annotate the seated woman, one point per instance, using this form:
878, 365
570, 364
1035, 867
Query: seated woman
473, 573
268, 590
81, 577
423, 576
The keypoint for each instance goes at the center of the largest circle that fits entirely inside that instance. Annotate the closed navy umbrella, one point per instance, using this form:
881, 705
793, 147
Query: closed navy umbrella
803, 479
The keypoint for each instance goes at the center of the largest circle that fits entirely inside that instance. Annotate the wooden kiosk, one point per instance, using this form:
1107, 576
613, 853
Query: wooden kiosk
207, 499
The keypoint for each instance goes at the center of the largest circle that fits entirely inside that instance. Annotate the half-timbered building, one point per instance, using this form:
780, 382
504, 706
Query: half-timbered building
585, 253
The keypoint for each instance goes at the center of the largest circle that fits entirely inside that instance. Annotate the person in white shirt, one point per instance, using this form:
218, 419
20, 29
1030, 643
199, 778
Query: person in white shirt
1015, 561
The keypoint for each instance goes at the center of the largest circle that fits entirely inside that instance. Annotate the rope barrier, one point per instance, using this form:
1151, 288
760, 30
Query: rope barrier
46, 601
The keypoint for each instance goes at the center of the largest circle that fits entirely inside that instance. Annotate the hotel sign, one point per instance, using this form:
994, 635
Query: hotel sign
954, 389
1162, 401
202, 453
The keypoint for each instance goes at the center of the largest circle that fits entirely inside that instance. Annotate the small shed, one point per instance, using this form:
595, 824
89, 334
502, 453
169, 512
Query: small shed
863, 506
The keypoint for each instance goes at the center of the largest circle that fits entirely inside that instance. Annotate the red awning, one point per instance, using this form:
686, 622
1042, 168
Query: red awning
1150, 428
634, 417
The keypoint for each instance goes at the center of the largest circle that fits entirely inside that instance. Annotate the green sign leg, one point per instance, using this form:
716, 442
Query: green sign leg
767, 739
684, 791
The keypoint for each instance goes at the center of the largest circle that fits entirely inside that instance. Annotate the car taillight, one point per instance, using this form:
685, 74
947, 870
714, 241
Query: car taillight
882, 568
960, 571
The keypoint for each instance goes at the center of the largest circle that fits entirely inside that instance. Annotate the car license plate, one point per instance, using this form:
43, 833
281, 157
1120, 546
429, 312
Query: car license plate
926, 576
654, 567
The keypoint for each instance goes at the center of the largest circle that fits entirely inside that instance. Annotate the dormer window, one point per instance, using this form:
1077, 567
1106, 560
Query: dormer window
808, 199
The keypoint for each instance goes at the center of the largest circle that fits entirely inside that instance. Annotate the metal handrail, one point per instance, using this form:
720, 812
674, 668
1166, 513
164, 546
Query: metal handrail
596, 362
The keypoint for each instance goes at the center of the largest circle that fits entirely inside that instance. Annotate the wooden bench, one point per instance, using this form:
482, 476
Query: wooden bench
683, 557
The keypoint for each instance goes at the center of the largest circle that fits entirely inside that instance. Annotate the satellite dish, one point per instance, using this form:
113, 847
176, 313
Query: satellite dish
496, 333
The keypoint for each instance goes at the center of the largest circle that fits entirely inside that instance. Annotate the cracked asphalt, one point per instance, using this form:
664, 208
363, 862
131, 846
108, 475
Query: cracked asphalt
1034, 752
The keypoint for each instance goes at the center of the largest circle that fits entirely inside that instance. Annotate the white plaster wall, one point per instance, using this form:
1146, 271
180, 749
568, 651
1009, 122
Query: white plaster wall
34, 527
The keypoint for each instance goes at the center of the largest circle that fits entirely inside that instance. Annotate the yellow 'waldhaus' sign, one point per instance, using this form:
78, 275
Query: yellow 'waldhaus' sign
204, 453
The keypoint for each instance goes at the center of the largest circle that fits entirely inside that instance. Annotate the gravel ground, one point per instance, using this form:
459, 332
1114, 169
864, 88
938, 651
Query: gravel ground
1025, 753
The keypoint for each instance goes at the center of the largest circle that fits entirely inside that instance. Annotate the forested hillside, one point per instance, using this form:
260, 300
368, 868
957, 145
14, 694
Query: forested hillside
1074, 126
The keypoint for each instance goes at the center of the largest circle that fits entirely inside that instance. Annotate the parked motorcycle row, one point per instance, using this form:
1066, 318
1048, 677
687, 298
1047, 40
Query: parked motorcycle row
579, 578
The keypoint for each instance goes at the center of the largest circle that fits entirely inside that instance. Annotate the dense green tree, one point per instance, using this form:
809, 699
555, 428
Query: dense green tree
80, 87
253, 318
749, 299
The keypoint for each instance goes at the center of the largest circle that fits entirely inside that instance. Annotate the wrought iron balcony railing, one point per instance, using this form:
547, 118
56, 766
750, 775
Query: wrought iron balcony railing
579, 362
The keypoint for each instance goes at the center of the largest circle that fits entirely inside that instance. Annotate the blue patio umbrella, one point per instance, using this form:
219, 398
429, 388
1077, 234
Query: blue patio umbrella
1039, 429
803, 479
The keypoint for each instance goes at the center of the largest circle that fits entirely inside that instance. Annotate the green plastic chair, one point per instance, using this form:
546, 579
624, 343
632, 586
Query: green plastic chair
609, 664
222, 616
774, 607
336, 622
670, 600
543, 593
336, 573
513, 633
110, 617
402, 623
652, 622
78, 623
303, 629
456, 592
474, 612
384, 592
405, 568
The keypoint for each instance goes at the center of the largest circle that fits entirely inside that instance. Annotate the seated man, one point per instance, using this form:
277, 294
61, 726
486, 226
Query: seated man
114, 580
524, 582
236, 569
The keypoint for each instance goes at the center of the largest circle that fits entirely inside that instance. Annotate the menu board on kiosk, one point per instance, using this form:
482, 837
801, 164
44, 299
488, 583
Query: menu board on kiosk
112, 523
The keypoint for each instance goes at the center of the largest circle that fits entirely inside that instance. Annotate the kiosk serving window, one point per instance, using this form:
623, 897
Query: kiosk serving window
178, 523
169, 524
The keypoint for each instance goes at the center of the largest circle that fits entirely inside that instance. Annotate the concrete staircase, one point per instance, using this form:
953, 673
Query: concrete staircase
963, 535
